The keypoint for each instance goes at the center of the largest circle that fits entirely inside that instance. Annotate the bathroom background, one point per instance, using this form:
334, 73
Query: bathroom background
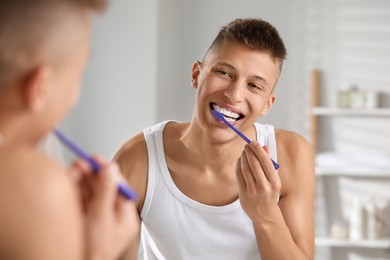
139, 74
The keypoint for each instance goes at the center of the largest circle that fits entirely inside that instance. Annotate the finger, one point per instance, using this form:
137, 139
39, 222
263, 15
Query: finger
247, 173
104, 191
122, 207
256, 167
239, 174
99, 159
114, 174
108, 179
127, 215
266, 149
79, 169
117, 176
86, 191
265, 161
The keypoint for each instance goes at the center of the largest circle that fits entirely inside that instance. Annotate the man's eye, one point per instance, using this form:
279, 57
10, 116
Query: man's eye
255, 86
223, 72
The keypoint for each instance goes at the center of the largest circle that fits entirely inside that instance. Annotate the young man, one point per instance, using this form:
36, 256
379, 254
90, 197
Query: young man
205, 193
47, 211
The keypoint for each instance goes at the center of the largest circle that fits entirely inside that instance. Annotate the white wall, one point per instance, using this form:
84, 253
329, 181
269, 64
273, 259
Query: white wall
168, 59
119, 91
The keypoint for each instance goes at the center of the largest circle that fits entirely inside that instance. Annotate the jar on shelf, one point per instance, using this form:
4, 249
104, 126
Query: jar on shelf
373, 225
371, 99
357, 98
344, 98
339, 230
356, 220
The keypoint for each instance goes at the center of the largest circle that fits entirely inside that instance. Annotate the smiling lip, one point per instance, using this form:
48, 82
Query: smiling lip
231, 115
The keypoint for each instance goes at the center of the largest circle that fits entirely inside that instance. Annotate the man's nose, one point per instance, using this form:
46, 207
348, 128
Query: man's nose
235, 91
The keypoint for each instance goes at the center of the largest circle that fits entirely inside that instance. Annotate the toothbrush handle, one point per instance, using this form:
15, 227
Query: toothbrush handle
77, 150
126, 191
246, 139
123, 189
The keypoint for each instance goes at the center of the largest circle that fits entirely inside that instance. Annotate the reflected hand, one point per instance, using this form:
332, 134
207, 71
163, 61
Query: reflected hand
111, 221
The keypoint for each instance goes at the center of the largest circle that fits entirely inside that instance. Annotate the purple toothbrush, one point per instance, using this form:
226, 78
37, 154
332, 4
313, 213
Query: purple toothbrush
246, 139
124, 189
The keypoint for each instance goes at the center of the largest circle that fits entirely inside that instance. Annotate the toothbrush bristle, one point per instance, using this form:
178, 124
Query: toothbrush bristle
217, 114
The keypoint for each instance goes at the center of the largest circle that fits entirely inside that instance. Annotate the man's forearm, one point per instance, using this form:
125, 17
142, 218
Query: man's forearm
275, 240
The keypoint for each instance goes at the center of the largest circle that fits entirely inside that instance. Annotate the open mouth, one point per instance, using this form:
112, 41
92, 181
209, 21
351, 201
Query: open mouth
227, 114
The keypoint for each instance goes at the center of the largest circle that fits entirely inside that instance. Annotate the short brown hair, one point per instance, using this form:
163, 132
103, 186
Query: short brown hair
25, 26
256, 34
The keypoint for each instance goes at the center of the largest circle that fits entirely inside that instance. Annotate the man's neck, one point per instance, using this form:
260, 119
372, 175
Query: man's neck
212, 155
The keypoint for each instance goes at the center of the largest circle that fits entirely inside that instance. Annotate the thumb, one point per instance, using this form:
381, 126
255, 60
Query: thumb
266, 148
104, 188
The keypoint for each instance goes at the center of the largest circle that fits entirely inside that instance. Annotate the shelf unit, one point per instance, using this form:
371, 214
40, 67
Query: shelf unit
327, 111
316, 113
352, 172
383, 243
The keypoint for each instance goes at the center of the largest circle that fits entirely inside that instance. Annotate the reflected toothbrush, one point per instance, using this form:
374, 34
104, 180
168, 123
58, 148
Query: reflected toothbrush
219, 116
123, 189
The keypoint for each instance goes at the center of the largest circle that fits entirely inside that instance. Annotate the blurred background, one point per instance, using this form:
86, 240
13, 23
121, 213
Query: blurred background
334, 90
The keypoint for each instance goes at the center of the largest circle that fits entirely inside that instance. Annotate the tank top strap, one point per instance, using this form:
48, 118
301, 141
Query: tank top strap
153, 138
266, 136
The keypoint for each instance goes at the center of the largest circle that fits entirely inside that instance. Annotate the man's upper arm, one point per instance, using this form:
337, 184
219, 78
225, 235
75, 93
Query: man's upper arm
132, 159
298, 190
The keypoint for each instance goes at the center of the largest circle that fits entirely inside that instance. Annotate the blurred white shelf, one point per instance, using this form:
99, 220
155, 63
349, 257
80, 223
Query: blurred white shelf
329, 111
352, 172
331, 242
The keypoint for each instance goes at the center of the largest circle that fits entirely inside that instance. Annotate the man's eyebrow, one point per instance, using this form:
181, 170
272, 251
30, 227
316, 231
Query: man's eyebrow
261, 79
224, 63
257, 77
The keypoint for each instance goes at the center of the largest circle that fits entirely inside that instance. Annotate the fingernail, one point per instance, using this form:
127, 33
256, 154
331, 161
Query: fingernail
253, 143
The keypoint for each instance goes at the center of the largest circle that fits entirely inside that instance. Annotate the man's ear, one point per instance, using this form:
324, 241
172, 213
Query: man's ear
36, 88
195, 74
268, 105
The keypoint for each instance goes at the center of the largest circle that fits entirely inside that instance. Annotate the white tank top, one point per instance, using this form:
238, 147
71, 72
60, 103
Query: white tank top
175, 227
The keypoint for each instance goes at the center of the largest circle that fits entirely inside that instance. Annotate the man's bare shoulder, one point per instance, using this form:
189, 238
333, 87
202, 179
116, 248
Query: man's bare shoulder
292, 144
39, 200
132, 155
30, 169
296, 159
132, 158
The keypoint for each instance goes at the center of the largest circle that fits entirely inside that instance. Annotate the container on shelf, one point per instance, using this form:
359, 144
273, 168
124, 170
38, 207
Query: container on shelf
373, 225
371, 99
357, 98
339, 230
353, 97
344, 98
356, 220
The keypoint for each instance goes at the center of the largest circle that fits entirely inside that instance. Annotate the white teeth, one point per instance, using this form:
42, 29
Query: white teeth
231, 116
230, 119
